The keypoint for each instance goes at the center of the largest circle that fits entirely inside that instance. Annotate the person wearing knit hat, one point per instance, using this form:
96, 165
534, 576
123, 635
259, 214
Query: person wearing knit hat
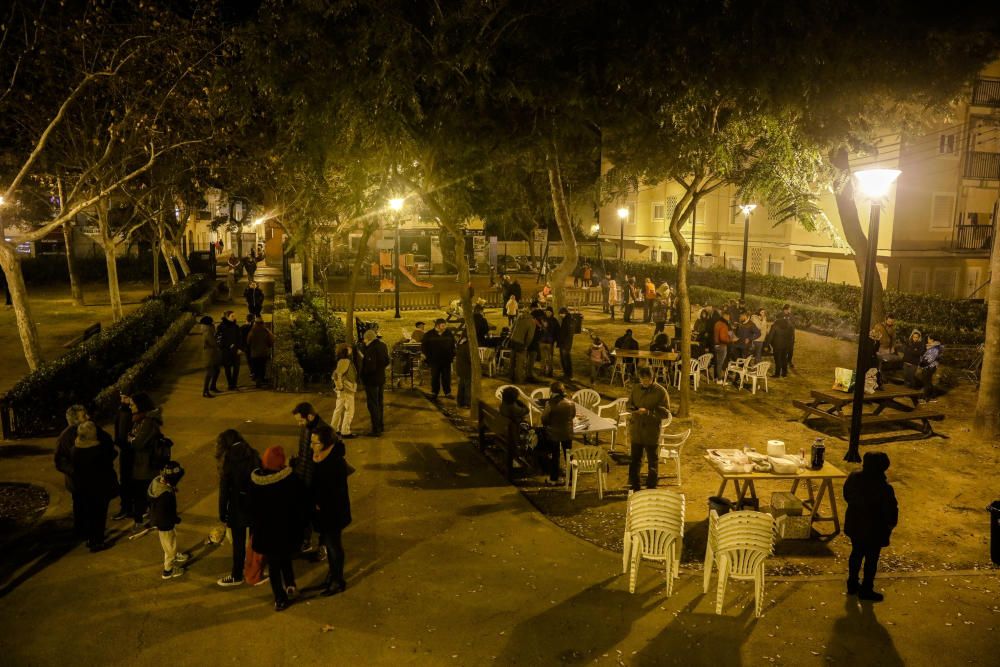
280, 507
94, 481
163, 516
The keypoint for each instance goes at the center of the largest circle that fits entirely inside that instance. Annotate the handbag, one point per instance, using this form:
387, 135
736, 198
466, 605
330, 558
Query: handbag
253, 565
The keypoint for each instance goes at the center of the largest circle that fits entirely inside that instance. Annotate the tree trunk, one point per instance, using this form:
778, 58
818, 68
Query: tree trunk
987, 420
179, 256
75, 284
685, 207
108, 245
559, 275
171, 269
156, 266
352, 280
309, 266
847, 209
11, 265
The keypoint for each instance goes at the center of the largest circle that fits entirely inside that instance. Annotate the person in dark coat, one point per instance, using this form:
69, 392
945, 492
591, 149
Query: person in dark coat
230, 343
126, 457
872, 513
94, 480
162, 494
75, 415
482, 325
259, 343
309, 420
781, 338
557, 418
463, 369
438, 346
374, 361
250, 265
279, 505
913, 349
332, 503
211, 356
147, 422
511, 406
236, 460
648, 405
255, 299
565, 343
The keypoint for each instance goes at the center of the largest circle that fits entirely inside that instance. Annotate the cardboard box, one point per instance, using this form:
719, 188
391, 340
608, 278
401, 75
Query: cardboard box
785, 504
794, 527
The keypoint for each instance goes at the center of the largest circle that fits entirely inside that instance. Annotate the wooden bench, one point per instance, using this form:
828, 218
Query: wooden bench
505, 432
895, 417
88, 333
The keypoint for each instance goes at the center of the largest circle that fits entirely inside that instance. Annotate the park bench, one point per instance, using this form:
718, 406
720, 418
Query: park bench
505, 433
88, 333
888, 410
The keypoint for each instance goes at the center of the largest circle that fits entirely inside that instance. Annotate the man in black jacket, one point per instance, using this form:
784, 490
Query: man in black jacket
438, 346
872, 514
374, 361
307, 418
126, 458
565, 343
230, 342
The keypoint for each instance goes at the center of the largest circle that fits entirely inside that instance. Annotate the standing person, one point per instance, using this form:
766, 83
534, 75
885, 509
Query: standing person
332, 504
250, 265
565, 343
236, 461
612, 297
254, 297
211, 356
649, 405
126, 457
605, 292
374, 361
648, 298
345, 383
549, 328
510, 310
628, 300
521, 335
463, 369
588, 274
75, 415
147, 424
786, 310
760, 320
232, 275
515, 289
885, 333
928, 365
659, 315
438, 347
481, 324
259, 343
308, 420
557, 418
162, 498
599, 358
721, 338
912, 351
780, 338
746, 334
279, 504
872, 514
94, 481
228, 336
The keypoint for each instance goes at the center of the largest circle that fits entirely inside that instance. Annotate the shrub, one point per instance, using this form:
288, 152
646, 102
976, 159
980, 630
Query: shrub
316, 331
39, 400
286, 370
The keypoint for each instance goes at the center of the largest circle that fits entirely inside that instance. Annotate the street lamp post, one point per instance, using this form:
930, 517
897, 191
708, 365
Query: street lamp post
747, 210
874, 184
622, 217
396, 204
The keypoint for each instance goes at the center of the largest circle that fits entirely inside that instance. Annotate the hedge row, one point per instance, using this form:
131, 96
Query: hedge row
955, 319
39, 400
285, 368
317, 331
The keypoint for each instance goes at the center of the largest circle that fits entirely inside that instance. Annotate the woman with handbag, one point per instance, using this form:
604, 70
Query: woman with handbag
237, 460
332, 503
345, 382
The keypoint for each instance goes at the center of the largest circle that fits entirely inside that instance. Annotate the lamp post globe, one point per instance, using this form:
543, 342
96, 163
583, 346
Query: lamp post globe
747, 210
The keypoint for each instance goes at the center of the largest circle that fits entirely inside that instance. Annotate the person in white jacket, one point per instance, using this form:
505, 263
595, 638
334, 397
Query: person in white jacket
345, 382
760, 319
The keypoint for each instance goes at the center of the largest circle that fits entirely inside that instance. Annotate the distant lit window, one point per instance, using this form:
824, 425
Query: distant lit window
946, 144
658, 210
774, 268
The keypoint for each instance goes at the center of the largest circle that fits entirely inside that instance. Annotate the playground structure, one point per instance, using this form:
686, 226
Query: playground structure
382, 274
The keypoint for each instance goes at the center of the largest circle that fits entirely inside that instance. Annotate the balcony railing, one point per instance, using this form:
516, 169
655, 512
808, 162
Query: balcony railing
986, 93
982, 165
972, 237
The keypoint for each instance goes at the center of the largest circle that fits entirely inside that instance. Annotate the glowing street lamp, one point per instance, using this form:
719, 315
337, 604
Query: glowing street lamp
874, 185
747, 210
622, 217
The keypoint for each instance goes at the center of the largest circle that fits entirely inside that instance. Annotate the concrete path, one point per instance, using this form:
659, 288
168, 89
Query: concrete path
446, 564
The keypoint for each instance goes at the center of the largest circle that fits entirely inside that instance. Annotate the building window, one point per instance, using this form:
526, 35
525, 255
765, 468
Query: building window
918, 281
945, 282
942, 210
946, 143
775, 267
819, 271
735, 263
658, 211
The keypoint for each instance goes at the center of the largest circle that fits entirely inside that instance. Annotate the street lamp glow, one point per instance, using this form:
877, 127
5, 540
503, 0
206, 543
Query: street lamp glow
396, 203
2, 200
595, 228
623, 213
258, 221
747, 208
875, 183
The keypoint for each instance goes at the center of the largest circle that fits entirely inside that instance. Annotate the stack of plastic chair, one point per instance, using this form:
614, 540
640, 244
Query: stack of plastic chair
670, 446
583, 460
738, 545
654, 530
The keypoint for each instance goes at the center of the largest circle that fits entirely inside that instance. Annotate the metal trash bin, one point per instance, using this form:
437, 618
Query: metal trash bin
720, 505
994, 510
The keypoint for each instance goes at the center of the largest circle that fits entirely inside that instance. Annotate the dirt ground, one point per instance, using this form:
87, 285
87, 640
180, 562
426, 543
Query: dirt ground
59, 321
943, 484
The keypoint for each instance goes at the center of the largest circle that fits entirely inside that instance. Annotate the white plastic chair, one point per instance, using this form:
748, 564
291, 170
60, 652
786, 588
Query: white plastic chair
588, 398
755, 373
542, 393
487, 358
583, 460
705, 366
499, 392
654, 530
618, 411
618, 368
670, 446
738, 545
502, 360
738, 368
694, 370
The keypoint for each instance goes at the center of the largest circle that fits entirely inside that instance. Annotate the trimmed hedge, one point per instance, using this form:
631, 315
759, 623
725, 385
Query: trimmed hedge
285, 368
317, 331
37, 403
955, 320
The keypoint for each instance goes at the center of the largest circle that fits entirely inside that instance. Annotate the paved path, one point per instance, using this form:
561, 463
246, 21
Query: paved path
446, 564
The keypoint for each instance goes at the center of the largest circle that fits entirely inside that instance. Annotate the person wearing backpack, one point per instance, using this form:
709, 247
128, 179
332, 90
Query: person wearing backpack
145, 439
237, 460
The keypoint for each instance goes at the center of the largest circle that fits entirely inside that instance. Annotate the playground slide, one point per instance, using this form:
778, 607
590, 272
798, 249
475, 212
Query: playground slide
410, 277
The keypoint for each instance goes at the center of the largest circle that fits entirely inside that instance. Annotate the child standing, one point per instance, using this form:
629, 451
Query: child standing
599, 358
510, 309
163, 517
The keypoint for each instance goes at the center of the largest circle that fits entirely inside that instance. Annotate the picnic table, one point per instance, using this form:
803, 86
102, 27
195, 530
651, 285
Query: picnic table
889, 408
657, 360
745, 483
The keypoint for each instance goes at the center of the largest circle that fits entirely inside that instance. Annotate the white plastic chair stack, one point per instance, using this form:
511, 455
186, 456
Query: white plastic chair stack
487, 360
693, 373
755, 373
670, 448
584, 460
738, 368
617, 411
588, 398
738, 545
654, 530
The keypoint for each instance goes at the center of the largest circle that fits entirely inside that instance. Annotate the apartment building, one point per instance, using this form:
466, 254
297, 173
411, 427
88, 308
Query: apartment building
935, 233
